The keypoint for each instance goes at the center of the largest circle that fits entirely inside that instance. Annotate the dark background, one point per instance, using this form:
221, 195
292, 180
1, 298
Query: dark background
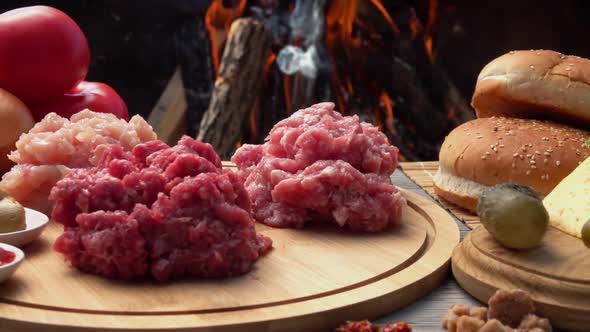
136, 44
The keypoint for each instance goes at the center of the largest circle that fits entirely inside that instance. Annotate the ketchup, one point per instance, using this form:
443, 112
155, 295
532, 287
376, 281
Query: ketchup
6, 257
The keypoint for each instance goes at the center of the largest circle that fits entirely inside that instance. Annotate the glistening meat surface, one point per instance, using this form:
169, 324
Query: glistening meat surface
56, 144
159, 211
318, 165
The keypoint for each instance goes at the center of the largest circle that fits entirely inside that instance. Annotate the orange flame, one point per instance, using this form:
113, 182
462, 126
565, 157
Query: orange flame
432, 18
388, 106
415, 26
386, 16
349, 86
218, 20
340, 18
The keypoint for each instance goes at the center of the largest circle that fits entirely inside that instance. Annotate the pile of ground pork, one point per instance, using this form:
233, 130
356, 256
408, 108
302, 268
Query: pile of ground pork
318, 165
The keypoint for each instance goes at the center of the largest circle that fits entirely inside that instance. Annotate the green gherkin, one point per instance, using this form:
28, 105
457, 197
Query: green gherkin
586, 233
514, 215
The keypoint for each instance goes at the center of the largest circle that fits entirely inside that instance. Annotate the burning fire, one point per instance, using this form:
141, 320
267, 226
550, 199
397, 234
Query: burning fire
349, 32
344, 35
218, 20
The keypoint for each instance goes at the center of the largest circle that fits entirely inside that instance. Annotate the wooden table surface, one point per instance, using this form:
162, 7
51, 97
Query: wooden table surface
426, 314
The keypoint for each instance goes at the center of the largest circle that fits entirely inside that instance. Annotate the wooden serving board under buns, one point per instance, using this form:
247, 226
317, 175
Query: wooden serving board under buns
313, 280
556, 274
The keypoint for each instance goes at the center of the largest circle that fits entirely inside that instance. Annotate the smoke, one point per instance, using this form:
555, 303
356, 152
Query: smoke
292, 59
307, 28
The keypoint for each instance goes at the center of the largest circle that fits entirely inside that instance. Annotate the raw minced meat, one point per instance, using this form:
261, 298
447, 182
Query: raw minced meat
30, 184
320, 165
336, 190
160, 211
58, 141
56, 144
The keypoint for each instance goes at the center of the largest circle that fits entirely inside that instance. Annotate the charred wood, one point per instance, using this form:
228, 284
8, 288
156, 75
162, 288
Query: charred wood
237, 84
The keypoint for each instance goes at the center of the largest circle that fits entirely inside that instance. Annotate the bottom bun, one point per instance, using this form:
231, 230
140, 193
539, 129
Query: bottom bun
458, 190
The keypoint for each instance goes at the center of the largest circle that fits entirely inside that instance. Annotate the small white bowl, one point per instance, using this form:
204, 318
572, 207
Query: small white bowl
36, 223
6, 271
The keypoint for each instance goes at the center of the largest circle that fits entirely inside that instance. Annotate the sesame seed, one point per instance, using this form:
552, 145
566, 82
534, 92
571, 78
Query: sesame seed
488, 153
501, 145
557, 163
528, 172
515, 155
547, 153
537, 152
533, 166
533, 162
483, 157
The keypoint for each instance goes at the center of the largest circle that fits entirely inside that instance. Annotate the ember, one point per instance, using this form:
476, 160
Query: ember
374, 58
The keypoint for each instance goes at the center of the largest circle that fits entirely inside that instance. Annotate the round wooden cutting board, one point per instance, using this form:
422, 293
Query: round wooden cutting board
556, 274
313, 280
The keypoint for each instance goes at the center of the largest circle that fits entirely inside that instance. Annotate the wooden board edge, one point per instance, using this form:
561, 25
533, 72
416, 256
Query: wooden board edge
481, 276
370, 301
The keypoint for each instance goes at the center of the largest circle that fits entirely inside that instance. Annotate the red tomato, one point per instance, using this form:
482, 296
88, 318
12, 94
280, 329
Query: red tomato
97, 97
43, 53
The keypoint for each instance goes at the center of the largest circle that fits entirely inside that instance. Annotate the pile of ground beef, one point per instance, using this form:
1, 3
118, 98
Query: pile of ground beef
318, 165
163, 211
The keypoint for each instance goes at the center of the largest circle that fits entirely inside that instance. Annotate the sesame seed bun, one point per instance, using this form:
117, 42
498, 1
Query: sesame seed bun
536, 84
489, 151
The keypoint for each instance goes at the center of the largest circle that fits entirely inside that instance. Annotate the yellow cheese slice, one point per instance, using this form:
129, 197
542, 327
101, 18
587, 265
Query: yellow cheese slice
569, 203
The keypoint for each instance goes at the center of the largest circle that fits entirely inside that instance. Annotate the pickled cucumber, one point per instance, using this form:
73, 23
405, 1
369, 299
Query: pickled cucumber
586, 233
514, 215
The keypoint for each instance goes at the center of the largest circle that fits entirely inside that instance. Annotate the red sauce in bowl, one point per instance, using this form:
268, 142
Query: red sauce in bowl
6, 257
